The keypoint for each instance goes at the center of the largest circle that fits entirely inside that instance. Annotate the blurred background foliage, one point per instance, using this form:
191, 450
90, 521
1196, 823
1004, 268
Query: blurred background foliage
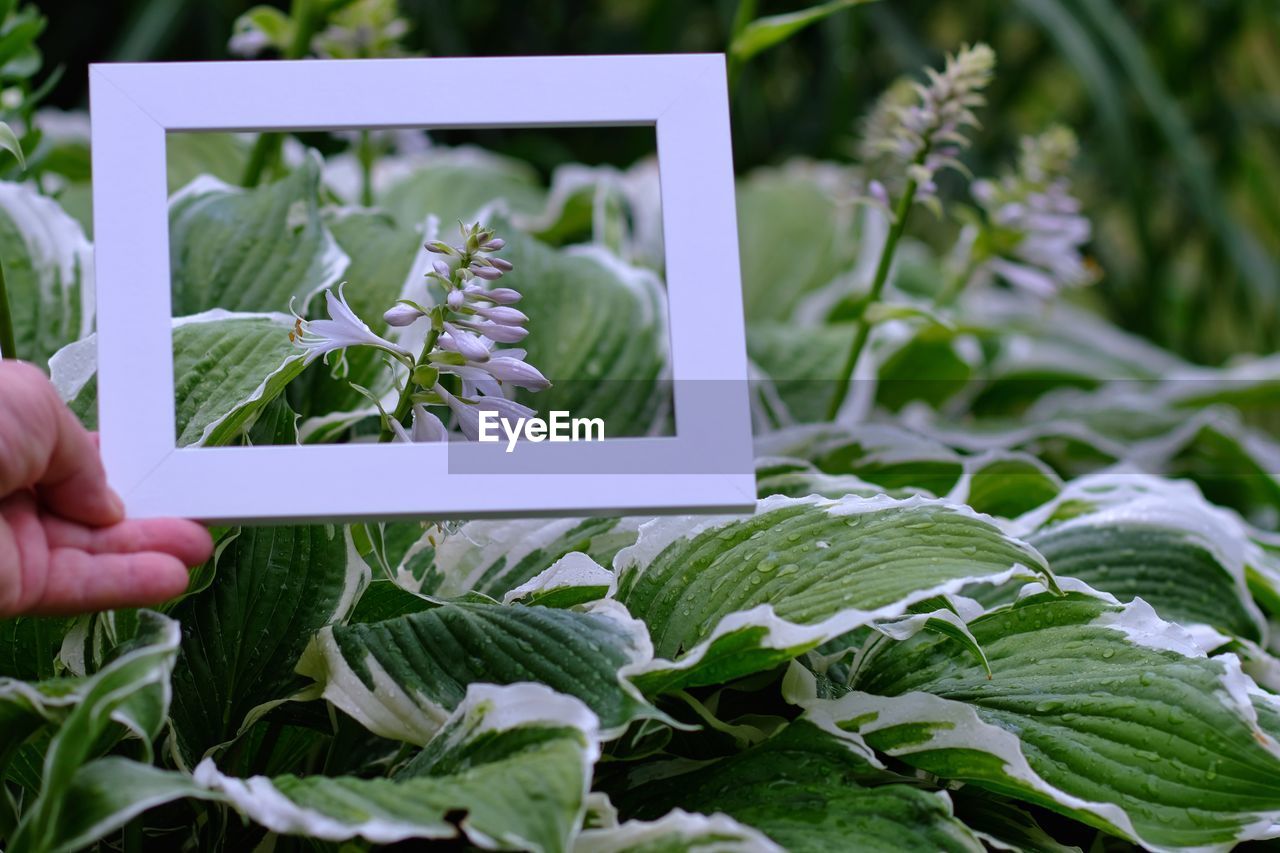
1177, 105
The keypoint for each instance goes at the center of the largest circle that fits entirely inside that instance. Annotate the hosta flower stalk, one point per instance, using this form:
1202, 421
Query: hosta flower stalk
1032, 230
466, 326
923, 138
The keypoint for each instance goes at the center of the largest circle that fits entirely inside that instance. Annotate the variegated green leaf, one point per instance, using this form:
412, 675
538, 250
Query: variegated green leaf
796, 478
495, 557
227, 368
109, 792
456, 184
891, 456
1134, 535
48, 272
251, 250
190, 155
677, 831
273, 588
1006, 484
1101, 711
132, 692
725, 597
809, 794
803, 204
402, 677
514, 761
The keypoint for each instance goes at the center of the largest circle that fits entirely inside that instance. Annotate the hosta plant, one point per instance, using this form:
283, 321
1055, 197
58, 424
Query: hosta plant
1017, 594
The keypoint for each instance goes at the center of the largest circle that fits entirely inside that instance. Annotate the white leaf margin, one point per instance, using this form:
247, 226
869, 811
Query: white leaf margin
485, 708
1125, 496
61, 254
574, 569
395, 711
714, 833
71, 367
326, 267
781, 634
962, 728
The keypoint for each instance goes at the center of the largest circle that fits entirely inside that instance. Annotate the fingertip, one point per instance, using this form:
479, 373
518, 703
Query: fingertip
186, 540
195, 543
168, 579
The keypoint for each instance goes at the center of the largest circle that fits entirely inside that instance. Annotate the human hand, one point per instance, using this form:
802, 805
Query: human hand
65, 545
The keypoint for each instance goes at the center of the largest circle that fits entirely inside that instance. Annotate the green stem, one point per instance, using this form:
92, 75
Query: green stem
744, 736
8, 348
132, 836
406, 396
877, 288
745, 14
266, 150
366, 156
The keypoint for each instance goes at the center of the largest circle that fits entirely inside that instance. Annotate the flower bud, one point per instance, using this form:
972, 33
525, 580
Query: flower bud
501, 295
441, 268
517, 372
498, 332
501, 314
502, 264
455, 300
439, 247
486, 273
494, 245
401, 315
469, 346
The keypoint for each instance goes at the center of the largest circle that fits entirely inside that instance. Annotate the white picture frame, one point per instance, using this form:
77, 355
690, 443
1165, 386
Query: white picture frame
706, 466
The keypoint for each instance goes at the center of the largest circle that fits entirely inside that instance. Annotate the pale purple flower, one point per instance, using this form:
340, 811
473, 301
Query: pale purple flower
499, 295
475, 379
499, 332
426, 427
468, 346
507, 409
487, 273
501, 314
1033, 211
923, 128
515, 371
473, 320
467, 415
343, 329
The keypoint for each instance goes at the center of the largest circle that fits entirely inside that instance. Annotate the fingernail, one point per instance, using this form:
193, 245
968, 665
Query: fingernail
117, 504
